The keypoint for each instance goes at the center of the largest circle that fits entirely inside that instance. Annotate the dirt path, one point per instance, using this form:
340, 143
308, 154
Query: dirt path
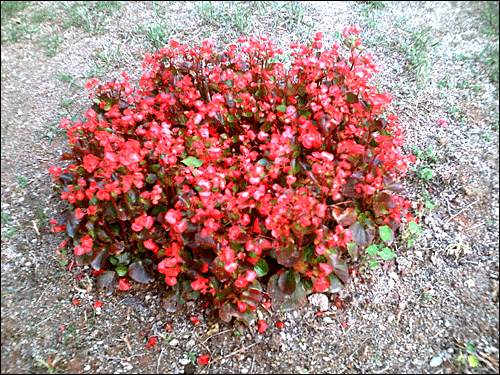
435, 310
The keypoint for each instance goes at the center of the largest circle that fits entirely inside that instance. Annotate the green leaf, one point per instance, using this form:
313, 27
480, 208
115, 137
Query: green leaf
385, 233
281, 108
473, 362
138, 273
121, 270
287, 282
414, 227
151, 178
372, 250
193, 162
261, 268
386, 253
373, 263
471, 348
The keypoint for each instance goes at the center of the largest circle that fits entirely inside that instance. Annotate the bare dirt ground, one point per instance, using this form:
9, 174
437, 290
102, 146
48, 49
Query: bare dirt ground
434, 310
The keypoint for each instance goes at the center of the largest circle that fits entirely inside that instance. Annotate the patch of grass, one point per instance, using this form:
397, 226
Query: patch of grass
68, 78
11, 8
489, 57
109, 56
89, 15
43, 15
50, 44
10, 232
417, 54
158, 32
22, 181
371, 12
490, 12
235, 15
5, 218
242, 17
445, 82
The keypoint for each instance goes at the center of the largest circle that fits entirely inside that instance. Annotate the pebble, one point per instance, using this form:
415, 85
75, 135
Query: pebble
436, 361
174, 342
184, 361
86, 368
320, 300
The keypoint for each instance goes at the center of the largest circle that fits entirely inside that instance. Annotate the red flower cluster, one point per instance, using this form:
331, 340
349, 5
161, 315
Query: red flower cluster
222, 163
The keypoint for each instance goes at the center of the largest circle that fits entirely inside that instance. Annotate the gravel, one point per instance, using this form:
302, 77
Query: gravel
420, 313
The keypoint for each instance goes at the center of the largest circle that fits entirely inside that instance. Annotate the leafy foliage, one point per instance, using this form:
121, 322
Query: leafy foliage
233, 178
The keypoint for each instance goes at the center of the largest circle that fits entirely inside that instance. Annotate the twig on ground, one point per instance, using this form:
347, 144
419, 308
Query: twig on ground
490, 362
215, 334
41, 295
125, 339
462, 210
251, 366
474, 226
158, 364
233, 353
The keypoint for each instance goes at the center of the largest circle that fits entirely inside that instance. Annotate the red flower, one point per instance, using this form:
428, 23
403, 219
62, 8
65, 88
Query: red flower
123, 284
242, 306
149, 244
152, 342
325, 268
90, 162
204, 359
97, 304
55, 171
262, 326
195, 320
79, 213
322, 284
200, 283
280, 324
75, 302
79, 250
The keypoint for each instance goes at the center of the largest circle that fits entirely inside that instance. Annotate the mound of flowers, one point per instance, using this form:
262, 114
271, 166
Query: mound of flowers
227, 176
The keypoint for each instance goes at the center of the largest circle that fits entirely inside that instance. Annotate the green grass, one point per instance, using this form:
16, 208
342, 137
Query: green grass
22, 181
91, 16
50, 44
11, 9
158, 32
417, 53
109, 56
243, 17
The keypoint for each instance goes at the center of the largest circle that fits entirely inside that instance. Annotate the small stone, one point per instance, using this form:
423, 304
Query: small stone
244, 371
436, 361
184, 361
394, 275
28, 264
174, 342
319, 300
391, 283
86, 368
